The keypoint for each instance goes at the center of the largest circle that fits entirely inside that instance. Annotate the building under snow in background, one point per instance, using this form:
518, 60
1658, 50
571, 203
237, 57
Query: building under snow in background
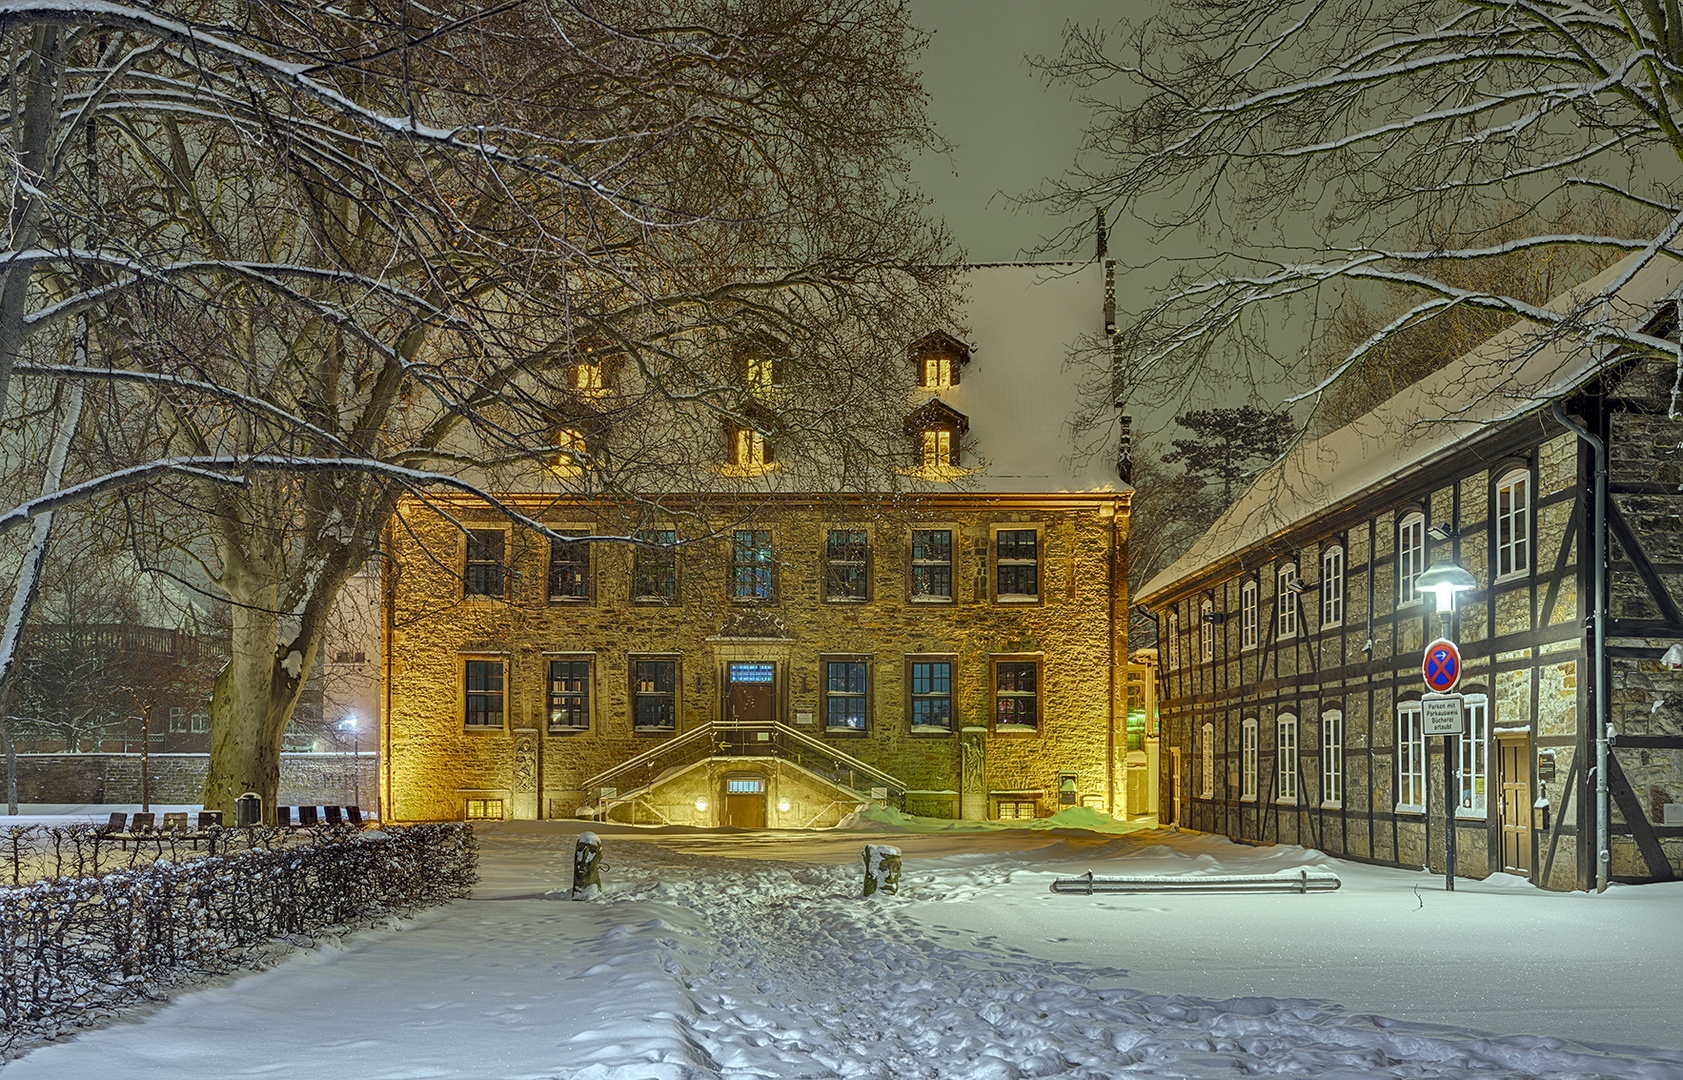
1293, 632
957, 651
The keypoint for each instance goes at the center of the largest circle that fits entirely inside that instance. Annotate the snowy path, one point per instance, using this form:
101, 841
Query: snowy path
708, 958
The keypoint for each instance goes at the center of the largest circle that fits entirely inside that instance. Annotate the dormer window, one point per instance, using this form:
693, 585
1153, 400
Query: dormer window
937, 431
572, 452
751, 448
759, 364
938, 359
589, 379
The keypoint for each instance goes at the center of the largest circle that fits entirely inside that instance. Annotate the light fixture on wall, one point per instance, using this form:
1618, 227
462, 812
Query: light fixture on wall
1441, 532
783, 806
701, 805
1217, 617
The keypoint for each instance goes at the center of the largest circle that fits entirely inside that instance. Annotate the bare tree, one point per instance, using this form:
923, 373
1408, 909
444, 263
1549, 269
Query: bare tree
367, 253
1306, 141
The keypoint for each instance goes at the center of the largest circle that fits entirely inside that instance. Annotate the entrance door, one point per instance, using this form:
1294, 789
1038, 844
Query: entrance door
1513, 763
751, 694
1175, 787
745, 802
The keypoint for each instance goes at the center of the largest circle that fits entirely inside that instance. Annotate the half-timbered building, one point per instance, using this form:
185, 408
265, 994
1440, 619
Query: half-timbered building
1293, 632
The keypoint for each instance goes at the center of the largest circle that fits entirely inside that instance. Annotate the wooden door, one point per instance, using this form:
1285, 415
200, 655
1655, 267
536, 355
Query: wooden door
1513, 763
752, 694
745, 811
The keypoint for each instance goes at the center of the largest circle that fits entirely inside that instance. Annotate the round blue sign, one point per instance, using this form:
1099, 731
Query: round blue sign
1442, 666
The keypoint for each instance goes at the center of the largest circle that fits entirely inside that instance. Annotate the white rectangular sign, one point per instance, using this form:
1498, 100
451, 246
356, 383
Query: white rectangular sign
1440, 714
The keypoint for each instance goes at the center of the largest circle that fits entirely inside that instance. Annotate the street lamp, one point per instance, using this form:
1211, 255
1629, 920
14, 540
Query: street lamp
349, 724
1441, 708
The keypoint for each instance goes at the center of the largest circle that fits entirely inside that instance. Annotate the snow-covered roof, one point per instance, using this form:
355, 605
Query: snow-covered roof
1516, 372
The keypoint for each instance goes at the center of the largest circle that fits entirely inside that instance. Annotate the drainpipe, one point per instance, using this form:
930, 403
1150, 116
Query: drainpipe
1598, 640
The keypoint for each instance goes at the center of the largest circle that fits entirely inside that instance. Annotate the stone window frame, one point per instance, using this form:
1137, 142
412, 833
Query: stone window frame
463, 660
1522, 532
1038, 696
496, 567
483, 809
1411, 560
955, 536
1333, 561
827, 562
1038, 563
1474, 748
587, 574
1206, 786
642, 556
1248, 733
550, 659
866, 696
1411, 771
1285, 758
1287, 618
633, 693
930, 731
1332, 757
1250, 605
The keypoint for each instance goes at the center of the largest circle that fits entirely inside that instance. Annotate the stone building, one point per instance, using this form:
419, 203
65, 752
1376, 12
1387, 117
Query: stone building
1293, 633
955, 650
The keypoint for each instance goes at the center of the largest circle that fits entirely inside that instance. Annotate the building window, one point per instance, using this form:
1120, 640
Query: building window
484, 573
654, 695
751, 565
932, 566
844, 695
1247, 614
938, 358
1332, 586
931, 695
1513, 524
1332, 758
1411, 556
199, 721
1285, 757
1016, 703
572, 452
939, 448
1247, 759
484, 694
1173, 652
1206, 631
569, 695
1475, 757
1411, 758
749, 449
483, 810
1286, 588
847, 566
654, 570
589, 379
569, 571
177, 719
937, 432
1017, 565
1018, 809
1208, 782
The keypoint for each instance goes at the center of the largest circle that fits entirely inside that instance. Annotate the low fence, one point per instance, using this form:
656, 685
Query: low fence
74, 948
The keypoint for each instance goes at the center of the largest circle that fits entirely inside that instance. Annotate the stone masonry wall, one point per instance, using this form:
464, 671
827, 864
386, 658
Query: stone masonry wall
305, 779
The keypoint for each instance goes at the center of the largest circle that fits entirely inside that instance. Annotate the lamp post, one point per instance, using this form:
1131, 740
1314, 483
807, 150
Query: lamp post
1442, 714
349, 724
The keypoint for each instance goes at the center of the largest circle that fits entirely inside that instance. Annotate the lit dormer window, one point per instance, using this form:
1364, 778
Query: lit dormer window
588, 378
938, 358
572, 452
751, 449
936, 430
938, 448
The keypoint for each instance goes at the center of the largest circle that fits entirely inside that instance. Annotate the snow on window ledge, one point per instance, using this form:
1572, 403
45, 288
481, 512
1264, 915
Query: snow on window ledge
1017, 598
1292, 801
1409, 808
1016, 729
1332, 804
930, 729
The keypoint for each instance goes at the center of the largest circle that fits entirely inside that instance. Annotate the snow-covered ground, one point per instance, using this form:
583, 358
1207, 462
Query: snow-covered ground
732, 954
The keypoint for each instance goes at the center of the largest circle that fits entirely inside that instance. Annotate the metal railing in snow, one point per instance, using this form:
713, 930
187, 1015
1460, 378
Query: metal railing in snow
1302, 882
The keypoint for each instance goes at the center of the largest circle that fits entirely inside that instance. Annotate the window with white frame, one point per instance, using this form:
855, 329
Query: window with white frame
1332, 758
1285, 756
1173, 654
1411, 758
1208, 782
1247, 759
1513, 524
1475, 758
1411, 556
1206, 631
1285, 600
1332, 586
1247, 615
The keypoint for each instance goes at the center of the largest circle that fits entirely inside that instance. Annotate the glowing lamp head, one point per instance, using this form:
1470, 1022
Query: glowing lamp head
783, 806
1443, 580
701, 805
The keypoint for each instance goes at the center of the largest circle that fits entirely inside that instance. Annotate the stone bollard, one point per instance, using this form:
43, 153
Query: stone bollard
587, 867
882, 869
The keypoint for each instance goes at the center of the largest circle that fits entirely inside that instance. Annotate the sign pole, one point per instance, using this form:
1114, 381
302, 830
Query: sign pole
1441, 714
1451, 792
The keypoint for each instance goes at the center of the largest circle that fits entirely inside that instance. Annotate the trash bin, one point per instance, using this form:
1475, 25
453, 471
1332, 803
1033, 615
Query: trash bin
248, 809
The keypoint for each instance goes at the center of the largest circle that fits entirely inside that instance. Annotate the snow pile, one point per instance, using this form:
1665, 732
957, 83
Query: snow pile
888, 819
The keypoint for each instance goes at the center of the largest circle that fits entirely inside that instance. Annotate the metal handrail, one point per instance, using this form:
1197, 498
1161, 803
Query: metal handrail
665, 749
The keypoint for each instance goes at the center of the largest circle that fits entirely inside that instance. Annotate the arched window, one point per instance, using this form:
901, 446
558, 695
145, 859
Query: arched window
1475, 758
1411, 555
1512, 515
1332, 586
1247, 759
1173, 652
1285, 757
1247, 614
1206, 631
1332, 758
1411, 758
1208, 784
1286, 588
